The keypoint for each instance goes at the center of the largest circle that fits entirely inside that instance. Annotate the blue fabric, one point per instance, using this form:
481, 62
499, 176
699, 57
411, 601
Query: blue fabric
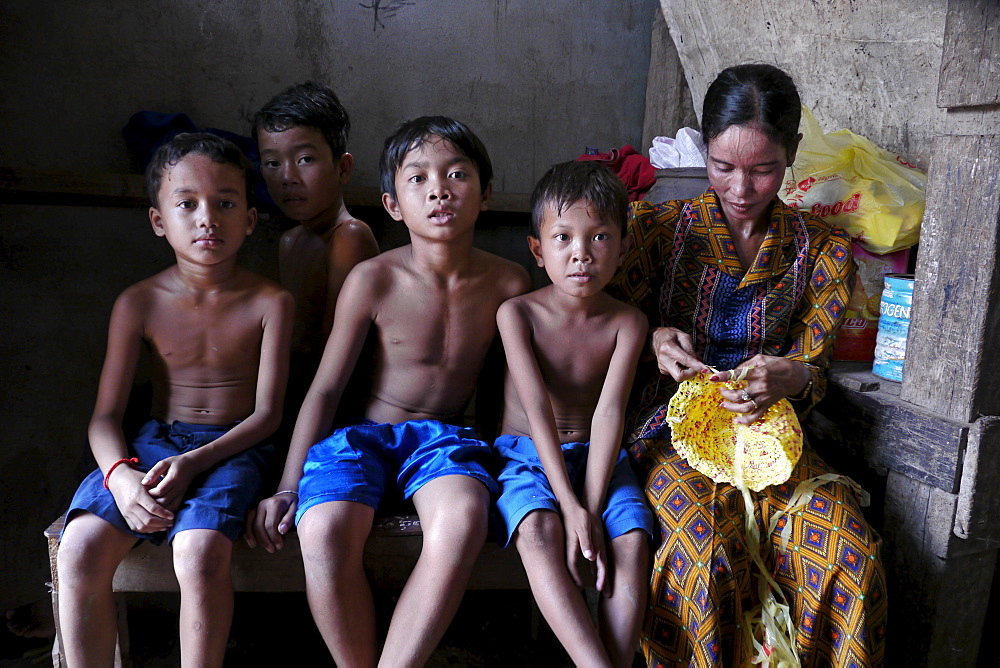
524, 487
361, 462
217, 499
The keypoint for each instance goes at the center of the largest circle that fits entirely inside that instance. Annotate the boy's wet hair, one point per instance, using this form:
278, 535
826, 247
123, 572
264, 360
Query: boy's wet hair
312, 105
412, 134
587, 181
753, 94
214, 148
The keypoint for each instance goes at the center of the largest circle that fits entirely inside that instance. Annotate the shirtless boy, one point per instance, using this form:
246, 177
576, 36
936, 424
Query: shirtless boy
302, 137
571, 356
218, 337
429, 311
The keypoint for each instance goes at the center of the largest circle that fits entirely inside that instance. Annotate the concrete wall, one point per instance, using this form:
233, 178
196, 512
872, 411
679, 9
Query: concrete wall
537, 81
871, 67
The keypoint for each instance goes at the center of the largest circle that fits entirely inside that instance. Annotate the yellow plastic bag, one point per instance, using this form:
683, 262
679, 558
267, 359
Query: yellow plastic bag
845, 179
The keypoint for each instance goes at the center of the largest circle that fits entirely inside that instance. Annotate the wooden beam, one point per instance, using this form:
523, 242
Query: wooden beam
889, 433
668, 97
970, 62
979, 494
951, 363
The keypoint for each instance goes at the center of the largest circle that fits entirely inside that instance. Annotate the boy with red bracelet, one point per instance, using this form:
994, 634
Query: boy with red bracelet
218, 337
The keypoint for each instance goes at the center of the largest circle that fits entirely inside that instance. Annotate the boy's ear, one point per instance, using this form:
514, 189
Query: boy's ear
251, 220
156, 220
486, 196
346, 164
535, 246
392, 207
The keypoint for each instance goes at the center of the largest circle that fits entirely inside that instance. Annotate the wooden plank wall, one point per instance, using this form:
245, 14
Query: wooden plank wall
947, 367
970, 66
942, 547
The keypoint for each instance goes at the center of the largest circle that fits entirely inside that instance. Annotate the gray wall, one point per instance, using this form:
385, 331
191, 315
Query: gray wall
537, 81
871, 67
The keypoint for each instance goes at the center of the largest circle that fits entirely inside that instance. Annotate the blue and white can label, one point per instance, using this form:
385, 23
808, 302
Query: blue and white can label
893, 326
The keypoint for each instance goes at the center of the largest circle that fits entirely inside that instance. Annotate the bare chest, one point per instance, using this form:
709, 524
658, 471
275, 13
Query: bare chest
206, 341
446, 329
574, 360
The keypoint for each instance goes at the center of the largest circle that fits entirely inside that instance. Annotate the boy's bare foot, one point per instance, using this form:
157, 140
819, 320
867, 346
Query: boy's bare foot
32, 620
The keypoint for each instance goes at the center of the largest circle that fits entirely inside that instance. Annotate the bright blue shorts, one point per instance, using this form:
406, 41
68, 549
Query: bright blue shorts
217, 499
524, 488
360, 462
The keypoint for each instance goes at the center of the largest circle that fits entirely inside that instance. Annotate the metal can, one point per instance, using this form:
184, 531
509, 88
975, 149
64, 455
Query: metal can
893, 326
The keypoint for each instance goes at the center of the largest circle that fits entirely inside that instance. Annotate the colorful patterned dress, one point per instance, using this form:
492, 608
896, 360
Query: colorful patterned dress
683, 271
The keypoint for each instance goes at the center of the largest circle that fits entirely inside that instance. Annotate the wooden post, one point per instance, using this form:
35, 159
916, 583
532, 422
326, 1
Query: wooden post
949, 367
942, 546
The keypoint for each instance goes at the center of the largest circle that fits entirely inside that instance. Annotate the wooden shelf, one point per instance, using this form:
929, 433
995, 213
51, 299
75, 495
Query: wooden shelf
868, 418
31, 186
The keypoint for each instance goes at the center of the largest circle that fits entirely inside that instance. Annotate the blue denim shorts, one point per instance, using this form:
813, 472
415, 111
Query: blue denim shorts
365, 461
217, 499
524, 488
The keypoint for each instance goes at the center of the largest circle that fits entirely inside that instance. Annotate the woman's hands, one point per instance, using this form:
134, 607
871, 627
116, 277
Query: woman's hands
768, 380
674, 352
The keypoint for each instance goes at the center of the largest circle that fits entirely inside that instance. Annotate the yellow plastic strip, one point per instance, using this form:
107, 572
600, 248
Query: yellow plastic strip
770, 619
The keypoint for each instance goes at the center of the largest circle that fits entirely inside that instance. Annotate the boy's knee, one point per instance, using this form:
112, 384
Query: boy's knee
464, 516
540, 530
631, 551
202, 555
335, 532
87, 556
77, 563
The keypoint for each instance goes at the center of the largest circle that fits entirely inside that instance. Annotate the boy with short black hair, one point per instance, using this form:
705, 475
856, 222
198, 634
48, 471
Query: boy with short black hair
567, 485
218, 336
302, 136
428, 310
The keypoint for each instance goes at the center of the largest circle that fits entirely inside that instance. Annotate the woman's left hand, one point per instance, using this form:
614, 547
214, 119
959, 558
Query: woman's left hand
768, 379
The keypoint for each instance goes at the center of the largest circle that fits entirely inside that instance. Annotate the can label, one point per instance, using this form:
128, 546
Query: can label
893, 326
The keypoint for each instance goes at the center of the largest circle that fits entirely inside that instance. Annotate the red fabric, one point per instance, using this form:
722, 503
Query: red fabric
635, 170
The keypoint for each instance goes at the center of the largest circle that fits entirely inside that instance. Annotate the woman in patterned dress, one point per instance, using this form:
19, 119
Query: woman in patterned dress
735, 279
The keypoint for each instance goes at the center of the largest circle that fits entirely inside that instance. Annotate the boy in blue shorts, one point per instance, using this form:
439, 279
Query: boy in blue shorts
427, 312
567, 486
218, 337
302, 137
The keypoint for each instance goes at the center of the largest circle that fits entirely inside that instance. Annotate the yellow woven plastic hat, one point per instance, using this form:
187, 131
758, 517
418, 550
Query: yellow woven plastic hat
761, 454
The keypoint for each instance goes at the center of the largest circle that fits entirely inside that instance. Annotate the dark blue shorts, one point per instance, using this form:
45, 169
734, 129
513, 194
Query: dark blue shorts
217, 499
524, 488
360, 462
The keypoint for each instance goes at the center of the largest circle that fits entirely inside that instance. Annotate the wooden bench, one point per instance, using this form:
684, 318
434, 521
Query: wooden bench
390, 554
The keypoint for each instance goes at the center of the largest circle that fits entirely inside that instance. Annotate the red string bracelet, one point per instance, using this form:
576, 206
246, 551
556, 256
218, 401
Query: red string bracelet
123, 460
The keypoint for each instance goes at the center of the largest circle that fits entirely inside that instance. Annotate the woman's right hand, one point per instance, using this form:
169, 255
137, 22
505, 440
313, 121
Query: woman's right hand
270, 521
674, 352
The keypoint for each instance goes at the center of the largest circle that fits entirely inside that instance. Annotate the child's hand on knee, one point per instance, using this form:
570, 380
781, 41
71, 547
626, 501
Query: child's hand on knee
583, 537
271, 520
169, 480
141, 511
